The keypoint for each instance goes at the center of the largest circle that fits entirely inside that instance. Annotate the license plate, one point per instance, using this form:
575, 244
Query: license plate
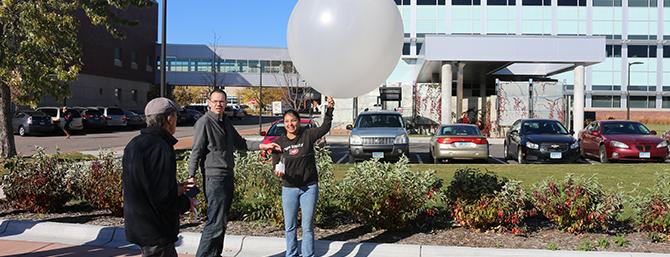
645, 155
464, 144
377, 155
555, 155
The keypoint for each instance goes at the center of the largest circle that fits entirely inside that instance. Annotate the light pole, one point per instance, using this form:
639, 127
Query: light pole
163, 48
628, 90
260, 101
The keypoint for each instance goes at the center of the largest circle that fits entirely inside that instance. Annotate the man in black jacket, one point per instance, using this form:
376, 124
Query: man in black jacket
214, 141
153, 200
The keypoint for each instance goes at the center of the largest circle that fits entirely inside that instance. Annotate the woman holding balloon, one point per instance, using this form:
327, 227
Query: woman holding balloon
296, 164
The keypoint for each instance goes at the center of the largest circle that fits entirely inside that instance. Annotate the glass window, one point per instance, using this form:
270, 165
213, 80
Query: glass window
666, 3
601, 88
406, 49
133, 93
571, 2
605, 101
646, 102
254, 66
288, 67
613, 50
379, 121
666, 51
428, 2
624, 128
243, 65
501, 2
118, 94
459, 131
418, 47
178, 65
533, 127
203, 66
133, 57
641, 51
641, 3
666, 102
606, 2
117, 53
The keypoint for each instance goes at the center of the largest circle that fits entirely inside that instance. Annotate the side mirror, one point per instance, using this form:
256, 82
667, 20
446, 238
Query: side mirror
514, 132
653, 132
350, 127
572, 132
263, 133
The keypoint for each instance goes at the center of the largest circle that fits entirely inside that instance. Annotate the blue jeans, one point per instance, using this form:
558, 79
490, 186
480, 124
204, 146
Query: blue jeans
304, 198
219, 191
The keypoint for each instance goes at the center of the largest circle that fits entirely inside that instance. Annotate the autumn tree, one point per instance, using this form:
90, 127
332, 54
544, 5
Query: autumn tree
185, 95
39, 51
270, 94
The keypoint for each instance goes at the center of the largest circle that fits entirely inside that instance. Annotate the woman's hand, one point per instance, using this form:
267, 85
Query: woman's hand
330, 101
270, 146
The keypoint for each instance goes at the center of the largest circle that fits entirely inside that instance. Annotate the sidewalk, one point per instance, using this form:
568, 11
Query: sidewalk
28, 238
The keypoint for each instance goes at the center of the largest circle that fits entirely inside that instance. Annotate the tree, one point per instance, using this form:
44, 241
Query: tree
39, 52
214, 78
270, 94
185, 95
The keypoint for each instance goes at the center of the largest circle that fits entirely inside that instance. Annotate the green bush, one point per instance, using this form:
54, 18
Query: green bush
471, 184
328, 203
576, 203
505, 210
653, 207
257, 189
37, 184
101, 184
182, 175
384, 195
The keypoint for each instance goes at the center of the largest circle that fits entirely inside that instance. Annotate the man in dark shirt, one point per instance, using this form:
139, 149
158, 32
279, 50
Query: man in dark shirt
152, 198
214, 142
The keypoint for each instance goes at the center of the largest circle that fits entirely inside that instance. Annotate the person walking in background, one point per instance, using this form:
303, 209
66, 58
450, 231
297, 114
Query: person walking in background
152, 199
214, 142
296, 164
67, 120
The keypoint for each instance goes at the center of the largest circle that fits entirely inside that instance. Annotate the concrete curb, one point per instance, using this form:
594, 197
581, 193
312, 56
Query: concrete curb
248, 246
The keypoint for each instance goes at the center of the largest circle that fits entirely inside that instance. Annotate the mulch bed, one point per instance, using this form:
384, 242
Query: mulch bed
540, 235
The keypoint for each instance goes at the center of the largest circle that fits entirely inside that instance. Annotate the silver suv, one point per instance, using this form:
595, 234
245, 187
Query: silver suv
378, 134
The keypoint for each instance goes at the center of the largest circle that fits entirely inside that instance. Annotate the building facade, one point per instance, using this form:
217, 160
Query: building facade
116, 71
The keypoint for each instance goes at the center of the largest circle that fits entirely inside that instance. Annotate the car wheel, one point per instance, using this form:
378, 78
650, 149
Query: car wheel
22, 131
603, 154
581, 151
519, 156
430, 155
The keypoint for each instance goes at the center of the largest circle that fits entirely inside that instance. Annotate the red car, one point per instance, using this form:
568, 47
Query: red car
277, 129
613, 140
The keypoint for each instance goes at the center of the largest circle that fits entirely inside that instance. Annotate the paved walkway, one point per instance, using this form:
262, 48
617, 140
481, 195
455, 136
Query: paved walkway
35, 249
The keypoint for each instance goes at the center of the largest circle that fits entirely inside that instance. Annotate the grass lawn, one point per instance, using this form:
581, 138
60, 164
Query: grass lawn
660, 128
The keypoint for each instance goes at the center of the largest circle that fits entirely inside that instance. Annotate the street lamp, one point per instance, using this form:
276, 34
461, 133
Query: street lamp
628, 90
163, 48
260, 101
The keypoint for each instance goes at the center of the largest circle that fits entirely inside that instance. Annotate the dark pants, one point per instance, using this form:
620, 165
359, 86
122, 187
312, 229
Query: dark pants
159, 251
219, 191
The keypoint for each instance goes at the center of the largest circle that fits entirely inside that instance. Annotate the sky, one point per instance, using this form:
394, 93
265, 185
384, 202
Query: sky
232, 22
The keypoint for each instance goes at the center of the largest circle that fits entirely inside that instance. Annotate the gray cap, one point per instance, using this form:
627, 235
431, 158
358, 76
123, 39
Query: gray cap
160, 105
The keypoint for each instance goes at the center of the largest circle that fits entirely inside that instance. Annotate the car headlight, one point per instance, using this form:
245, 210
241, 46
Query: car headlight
532, 145
663, 144
355, 140
617, 144
574, 145
401, 140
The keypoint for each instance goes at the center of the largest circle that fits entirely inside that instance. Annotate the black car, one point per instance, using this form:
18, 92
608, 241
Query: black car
92, 118
188, 116
134, 119
540, 140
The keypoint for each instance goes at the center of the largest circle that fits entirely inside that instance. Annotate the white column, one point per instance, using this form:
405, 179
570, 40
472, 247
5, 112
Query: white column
482, 93
459, 90
578, 102
447, 78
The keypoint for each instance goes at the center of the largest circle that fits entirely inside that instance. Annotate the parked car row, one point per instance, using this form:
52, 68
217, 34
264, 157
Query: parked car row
231, 110
47, 120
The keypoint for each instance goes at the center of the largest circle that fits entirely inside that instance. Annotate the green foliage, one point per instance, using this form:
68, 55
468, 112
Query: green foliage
552, 246
385, 195
620, 241
505, 210
471, 184
652, 207
329, 202
101, 184
656, 237
38, 184
182, 176
585, 245
603, 243
576, 203
257, 189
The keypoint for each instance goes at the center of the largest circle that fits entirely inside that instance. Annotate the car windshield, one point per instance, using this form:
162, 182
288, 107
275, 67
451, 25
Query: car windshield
75, 114
36, 114
459, 131
543, 127
379, 121
279, 130
93, 112
50, 112
625, 128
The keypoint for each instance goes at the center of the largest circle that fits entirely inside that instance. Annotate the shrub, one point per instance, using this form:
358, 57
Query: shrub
36, 184
576, 203
101, 183
182, 175
328, 203
653, 208
585, 245
505, 210
257, 189
385, 195
620, 241
470, 185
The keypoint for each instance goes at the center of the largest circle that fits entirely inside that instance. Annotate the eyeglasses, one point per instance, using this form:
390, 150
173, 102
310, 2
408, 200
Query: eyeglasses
218, 102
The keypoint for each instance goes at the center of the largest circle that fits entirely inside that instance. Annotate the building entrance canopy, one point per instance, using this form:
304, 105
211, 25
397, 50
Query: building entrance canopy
478, 57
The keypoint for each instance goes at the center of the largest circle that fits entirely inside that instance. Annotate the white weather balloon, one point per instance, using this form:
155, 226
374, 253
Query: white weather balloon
345, 48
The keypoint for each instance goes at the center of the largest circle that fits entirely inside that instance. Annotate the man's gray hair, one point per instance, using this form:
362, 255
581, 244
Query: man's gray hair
158, 120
